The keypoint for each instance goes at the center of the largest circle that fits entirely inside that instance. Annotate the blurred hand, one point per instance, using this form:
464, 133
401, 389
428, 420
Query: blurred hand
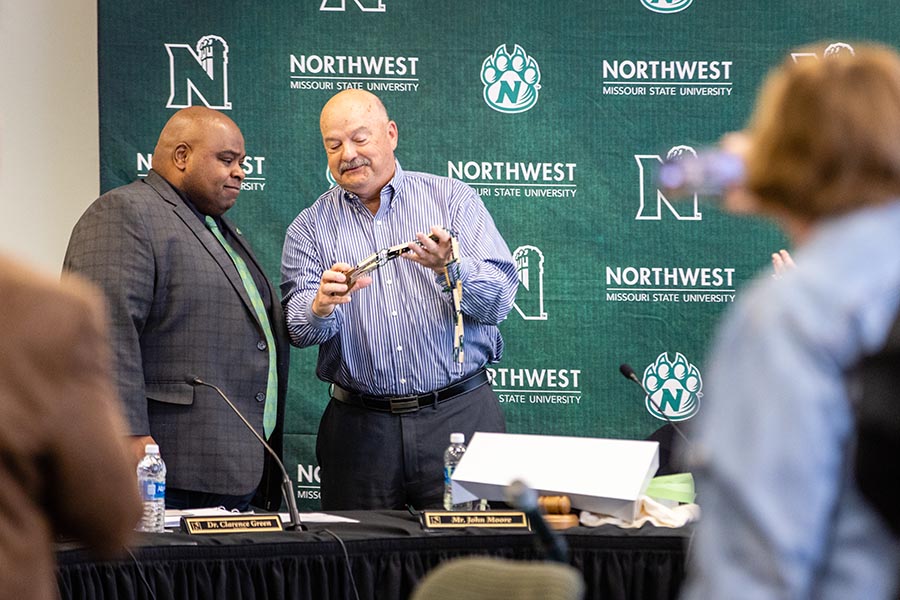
737, 198
782, 263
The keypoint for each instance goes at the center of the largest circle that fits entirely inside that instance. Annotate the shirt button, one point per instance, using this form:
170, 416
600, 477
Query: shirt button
399, 348
260, 396
393, 313
261, 345
403, 381
388, 281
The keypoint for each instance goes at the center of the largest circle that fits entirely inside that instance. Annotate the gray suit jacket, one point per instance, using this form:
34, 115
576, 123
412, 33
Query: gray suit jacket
178, 308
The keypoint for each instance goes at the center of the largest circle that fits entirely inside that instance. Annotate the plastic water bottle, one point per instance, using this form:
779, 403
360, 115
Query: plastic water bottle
452, 455
151, 475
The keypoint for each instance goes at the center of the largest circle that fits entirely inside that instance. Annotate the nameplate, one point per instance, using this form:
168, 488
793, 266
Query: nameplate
459, 519
231, 524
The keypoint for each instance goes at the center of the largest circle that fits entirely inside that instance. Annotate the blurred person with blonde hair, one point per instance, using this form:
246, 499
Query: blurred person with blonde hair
783, 516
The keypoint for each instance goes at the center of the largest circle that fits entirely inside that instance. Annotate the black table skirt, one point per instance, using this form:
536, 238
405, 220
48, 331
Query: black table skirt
389, 554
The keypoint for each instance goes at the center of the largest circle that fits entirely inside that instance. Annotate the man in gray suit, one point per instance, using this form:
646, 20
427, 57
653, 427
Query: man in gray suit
188, 299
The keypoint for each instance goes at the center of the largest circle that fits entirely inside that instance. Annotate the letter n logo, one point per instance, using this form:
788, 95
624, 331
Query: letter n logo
652, 199
341, 5
199, 74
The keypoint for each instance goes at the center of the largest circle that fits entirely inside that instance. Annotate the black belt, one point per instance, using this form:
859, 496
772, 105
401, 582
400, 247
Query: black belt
407, 404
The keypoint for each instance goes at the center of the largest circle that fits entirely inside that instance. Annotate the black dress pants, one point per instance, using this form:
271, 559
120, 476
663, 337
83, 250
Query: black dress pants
377, 460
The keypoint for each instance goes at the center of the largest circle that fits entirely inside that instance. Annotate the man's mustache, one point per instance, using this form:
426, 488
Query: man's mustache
356, 162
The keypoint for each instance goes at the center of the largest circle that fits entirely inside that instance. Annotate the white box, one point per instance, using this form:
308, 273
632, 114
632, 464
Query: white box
600, 475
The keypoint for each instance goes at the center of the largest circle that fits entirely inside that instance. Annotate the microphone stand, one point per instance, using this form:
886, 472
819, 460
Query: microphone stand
287, 487
524, 498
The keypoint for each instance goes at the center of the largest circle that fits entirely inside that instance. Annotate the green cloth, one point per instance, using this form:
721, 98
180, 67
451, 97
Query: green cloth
679, 487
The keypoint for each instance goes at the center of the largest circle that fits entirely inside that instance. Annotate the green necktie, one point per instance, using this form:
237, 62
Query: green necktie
257, 302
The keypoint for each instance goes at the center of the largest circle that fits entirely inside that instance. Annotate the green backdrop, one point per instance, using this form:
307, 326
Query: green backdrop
558, 113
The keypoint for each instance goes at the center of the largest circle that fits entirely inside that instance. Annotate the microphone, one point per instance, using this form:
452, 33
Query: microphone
287, 487
626, 370
525, 499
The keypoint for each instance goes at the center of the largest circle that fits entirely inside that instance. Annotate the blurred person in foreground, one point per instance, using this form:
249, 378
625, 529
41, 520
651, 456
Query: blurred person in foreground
782, 514
65, 469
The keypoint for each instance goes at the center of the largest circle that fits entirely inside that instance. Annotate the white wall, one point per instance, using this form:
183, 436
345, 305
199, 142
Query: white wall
49, 129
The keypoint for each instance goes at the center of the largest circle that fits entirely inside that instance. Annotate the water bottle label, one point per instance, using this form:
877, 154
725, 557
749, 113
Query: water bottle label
153, 490
448, 472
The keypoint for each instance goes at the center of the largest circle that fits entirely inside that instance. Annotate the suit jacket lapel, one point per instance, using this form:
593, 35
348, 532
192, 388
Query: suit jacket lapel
276, 317
204, 235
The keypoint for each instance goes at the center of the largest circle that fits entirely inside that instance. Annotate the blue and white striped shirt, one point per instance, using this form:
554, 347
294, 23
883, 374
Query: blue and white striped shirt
396, 336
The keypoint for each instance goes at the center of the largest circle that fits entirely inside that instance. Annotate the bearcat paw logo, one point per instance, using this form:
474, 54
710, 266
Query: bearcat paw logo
511, 81
674, 387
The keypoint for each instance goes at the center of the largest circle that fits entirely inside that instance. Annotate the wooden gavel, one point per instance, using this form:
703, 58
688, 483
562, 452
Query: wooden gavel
557, 511
555, 505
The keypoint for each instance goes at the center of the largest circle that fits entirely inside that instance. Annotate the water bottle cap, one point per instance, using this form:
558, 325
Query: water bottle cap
457, 438
151, 449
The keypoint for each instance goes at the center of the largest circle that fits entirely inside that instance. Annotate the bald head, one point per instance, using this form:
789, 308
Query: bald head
352, 101
189, 126
200, 152
359, 141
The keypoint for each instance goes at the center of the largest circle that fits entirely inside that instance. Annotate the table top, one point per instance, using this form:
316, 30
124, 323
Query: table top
384, 528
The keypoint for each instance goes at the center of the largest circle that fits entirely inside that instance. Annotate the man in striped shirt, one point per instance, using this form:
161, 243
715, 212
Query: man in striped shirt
404, 350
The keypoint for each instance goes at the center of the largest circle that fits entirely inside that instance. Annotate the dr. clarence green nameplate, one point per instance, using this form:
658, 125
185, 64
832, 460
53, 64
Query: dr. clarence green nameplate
457, 519
230, 524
